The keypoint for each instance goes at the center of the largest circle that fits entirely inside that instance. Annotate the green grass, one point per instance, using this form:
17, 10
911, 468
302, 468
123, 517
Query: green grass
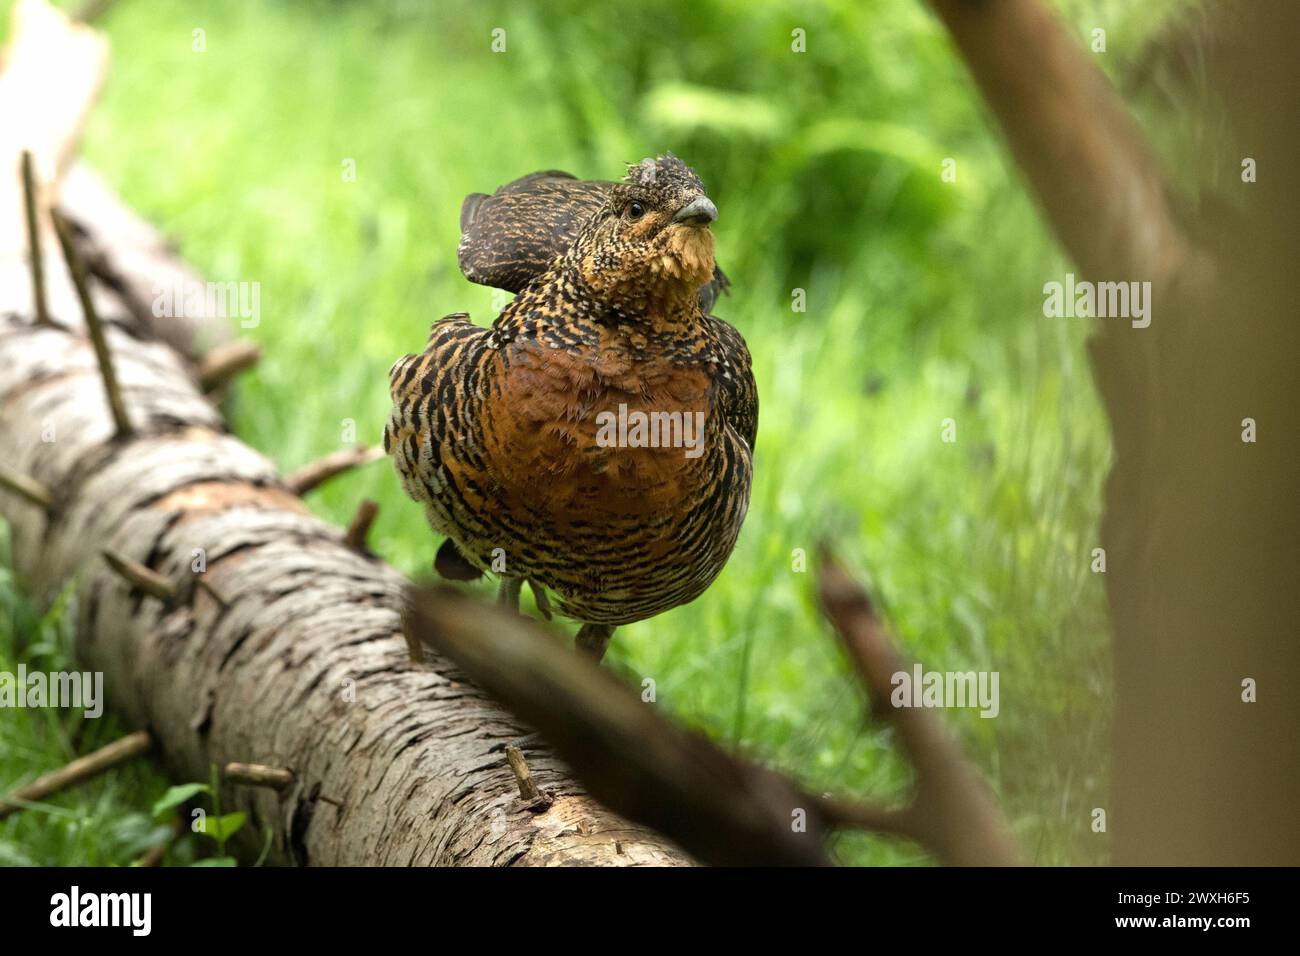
923, 304
104, 822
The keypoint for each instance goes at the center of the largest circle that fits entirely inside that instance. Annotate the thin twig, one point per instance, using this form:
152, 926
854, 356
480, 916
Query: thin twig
321, 470
93, 325
204, 584
529, 792
226, 361
359, 529
863, 816
259, 775
26, 487
139, 576
34, 240
78, 771
953, 813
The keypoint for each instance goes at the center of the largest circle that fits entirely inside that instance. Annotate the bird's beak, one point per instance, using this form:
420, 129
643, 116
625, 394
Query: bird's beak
700, 211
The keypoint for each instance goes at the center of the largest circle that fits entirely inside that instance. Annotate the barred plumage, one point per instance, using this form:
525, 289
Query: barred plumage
502, 433
509, 238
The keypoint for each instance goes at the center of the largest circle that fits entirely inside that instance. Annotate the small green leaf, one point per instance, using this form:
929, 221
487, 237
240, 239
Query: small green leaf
223, 828
175, 796
217, 861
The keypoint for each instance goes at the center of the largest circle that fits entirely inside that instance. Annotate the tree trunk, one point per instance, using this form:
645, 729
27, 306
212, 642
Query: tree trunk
1201, 522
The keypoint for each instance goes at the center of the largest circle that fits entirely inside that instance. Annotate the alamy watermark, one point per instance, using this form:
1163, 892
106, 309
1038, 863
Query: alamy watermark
133, 911
74, 690
226, 300
1100, 300
638, 429
921, 688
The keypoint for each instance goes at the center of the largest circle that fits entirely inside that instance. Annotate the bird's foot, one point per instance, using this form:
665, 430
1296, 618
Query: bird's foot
542, 601
593, 639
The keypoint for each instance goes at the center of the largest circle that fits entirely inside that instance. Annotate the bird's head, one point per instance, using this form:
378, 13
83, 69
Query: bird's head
650, 242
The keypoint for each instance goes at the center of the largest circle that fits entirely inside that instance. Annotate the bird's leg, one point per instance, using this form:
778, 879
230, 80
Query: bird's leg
508, 595
539, 595
592, 639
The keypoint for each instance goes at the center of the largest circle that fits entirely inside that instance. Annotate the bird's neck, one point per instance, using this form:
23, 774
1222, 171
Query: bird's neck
645, 304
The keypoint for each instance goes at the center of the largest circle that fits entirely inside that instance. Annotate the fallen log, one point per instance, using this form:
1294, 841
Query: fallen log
277, 644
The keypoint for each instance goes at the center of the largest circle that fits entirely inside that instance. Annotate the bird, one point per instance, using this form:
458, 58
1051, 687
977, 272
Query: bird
596, 440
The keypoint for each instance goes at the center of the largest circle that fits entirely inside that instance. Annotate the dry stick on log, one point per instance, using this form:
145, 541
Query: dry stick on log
34, 240
259, 775
226, 361
316, 473
27, 488
78, 771
96, 329
134, 263
953, 813
528, 789
139, 576
359, 529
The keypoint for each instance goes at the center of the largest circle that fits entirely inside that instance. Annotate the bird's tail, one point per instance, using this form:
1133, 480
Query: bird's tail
452, 565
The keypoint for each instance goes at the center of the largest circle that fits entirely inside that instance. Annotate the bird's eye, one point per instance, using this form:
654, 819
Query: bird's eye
635, 210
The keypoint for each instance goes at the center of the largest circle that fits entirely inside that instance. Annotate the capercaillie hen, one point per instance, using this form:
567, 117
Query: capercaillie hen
507, 434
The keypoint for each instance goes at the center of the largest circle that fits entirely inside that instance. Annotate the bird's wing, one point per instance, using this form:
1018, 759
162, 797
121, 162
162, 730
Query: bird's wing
739, 392
433, 425
511, 237
718, 285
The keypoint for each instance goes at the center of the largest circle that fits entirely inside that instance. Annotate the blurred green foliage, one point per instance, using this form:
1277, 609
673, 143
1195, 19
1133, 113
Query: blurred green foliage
923, 303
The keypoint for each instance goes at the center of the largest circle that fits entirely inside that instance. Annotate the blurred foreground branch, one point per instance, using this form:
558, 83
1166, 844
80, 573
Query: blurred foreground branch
723, 809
